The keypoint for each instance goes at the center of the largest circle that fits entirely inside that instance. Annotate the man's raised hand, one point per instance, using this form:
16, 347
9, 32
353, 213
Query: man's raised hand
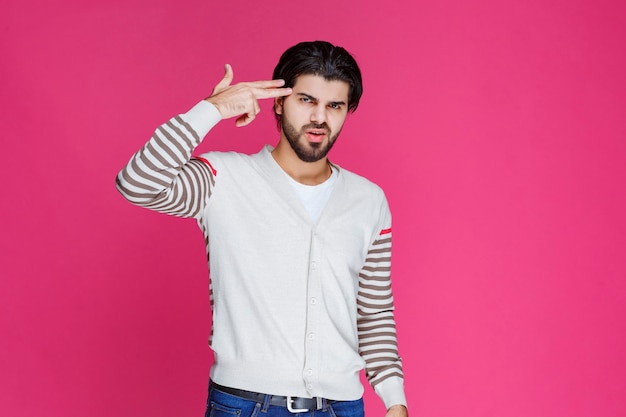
241, 100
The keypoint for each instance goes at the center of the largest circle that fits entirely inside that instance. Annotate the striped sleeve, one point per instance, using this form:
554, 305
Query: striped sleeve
376, 324
162, 176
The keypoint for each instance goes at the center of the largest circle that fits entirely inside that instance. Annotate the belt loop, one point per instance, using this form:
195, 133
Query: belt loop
266, 402
324, 405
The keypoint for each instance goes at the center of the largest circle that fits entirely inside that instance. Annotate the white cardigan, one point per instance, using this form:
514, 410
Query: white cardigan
299, 308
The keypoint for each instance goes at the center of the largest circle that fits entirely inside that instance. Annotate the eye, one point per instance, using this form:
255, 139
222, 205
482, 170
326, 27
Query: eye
334, 105
305, 99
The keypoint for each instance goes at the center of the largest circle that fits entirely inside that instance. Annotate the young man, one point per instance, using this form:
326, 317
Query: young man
299, 248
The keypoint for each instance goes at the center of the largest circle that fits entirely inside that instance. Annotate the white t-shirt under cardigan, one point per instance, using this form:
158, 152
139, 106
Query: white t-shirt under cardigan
299, 306
314, 197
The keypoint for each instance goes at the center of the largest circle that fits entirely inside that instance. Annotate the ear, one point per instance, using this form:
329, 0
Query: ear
278, 105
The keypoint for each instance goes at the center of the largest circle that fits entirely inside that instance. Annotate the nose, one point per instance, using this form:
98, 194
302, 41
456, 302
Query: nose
318, 114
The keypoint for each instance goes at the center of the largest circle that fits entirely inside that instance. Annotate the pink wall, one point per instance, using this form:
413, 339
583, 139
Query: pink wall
497, 129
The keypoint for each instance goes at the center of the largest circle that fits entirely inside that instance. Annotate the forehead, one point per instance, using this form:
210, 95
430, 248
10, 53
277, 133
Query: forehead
321, 88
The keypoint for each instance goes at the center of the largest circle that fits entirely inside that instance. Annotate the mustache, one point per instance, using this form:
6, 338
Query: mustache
317, 126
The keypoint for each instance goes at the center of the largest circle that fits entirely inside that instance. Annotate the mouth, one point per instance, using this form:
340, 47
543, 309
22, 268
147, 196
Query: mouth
315, 135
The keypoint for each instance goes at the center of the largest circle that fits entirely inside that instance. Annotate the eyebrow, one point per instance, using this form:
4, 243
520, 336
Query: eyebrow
337, 103
308, 96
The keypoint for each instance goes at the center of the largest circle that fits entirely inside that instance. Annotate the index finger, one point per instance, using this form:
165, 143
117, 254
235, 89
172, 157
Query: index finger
265, 83
272, 92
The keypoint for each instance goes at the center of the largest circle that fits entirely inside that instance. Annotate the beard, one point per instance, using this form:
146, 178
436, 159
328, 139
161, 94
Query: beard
305, 150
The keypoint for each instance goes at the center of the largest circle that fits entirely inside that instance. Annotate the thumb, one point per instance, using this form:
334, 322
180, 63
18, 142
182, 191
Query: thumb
225, 81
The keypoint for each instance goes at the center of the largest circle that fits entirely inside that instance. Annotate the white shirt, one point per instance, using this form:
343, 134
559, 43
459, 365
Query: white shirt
314, 197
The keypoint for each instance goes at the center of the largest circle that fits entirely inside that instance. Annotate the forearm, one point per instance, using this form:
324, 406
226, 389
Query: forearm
162, 176
376, 325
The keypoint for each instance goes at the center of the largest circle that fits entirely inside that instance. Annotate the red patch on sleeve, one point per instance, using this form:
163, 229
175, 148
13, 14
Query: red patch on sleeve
213, 170
385, 231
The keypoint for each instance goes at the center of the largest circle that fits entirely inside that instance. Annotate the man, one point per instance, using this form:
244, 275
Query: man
299, 248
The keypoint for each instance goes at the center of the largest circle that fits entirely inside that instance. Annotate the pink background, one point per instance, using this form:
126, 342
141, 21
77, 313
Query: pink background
496, 128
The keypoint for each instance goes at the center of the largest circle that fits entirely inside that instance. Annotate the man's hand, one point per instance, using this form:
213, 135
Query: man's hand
397, 411
242, 99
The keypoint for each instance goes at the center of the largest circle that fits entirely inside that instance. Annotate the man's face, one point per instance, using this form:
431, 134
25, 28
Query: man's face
313, 115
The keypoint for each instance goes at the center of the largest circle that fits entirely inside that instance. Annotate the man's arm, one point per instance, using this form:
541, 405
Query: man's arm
376, 324
162, 175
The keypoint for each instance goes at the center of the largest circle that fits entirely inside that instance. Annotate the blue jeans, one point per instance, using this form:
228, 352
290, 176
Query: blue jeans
221, 404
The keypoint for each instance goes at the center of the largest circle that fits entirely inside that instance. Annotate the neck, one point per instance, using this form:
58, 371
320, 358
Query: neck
308, 173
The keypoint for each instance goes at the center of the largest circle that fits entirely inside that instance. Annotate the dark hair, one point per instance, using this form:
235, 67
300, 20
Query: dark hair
323, 59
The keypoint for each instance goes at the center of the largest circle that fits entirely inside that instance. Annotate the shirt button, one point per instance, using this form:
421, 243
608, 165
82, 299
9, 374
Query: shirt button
313, 300
311, 336
309, 387
309, 372
313, 265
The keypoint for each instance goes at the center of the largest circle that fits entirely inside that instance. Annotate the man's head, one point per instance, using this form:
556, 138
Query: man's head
326, 83
323, 59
